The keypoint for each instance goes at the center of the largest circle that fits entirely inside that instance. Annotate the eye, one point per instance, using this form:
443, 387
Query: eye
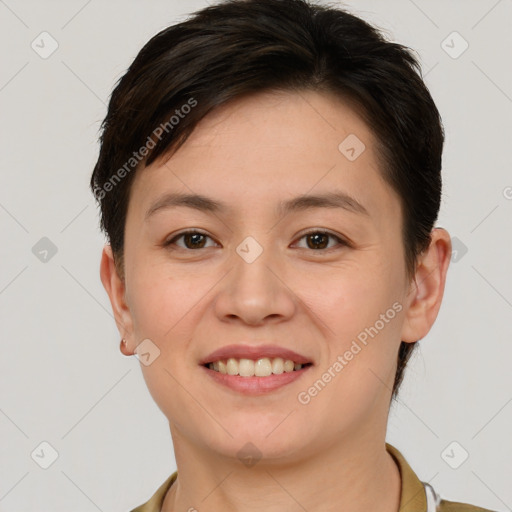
315, 240
318, 240
192, 239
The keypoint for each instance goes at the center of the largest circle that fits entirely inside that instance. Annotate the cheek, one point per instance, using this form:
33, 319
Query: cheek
364, 321
160, 298
361, 315
350, 300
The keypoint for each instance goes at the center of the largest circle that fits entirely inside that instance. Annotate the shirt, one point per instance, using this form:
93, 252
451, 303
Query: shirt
415, 496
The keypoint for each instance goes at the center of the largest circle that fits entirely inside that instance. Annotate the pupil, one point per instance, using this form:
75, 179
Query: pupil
315, 237
189, 236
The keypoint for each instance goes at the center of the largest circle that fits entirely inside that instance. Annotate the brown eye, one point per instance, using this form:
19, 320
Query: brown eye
318, 240
191, 240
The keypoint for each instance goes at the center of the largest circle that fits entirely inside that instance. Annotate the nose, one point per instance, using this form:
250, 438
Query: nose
255, 292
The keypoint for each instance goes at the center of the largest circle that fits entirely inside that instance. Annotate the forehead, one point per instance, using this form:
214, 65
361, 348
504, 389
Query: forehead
282, 122
274, 144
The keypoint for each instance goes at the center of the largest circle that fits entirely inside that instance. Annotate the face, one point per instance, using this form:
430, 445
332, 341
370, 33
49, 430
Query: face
324, 280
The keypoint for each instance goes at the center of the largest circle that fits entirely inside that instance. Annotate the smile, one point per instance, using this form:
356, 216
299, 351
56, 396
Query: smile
263, 367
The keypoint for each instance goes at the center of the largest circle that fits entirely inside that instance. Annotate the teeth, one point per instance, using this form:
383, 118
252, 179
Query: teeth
260, 368
222, 367
277, 366
232, 366
289, 366
246, 368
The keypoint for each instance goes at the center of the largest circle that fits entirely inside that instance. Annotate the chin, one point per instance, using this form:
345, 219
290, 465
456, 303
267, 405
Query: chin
254, 443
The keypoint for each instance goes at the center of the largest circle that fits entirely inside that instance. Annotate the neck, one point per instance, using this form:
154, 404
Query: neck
353, 476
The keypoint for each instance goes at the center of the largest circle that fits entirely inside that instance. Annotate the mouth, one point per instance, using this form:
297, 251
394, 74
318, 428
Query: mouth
262, 367
255, 370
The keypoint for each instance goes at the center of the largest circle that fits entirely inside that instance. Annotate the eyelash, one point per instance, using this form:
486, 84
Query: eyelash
341, 241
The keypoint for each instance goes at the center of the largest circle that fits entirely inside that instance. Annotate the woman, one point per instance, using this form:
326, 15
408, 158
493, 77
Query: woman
269, 179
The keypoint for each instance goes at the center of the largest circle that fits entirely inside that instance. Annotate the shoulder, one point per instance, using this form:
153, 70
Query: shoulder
418, 496
155, 502
454, 506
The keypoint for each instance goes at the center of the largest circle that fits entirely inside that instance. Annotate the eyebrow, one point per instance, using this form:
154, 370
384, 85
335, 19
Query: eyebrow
336, 199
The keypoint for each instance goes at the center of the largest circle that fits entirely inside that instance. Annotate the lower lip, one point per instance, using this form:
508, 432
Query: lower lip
256, 385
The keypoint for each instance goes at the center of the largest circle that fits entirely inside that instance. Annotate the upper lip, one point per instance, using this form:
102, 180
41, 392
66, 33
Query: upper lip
239, 351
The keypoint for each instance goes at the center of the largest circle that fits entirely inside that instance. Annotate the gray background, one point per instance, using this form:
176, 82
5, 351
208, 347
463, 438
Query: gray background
63, 379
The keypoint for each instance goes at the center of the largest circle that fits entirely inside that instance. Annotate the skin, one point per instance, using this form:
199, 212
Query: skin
251, 154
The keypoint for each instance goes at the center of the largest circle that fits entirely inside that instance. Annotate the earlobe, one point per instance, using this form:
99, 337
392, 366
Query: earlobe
123, 347
427, 288
115, 288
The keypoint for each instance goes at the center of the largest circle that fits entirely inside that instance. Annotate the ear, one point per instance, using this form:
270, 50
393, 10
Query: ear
115, 287
427, 288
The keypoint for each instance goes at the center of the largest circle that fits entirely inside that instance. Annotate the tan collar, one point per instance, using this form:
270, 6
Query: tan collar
412, 495
156, 501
